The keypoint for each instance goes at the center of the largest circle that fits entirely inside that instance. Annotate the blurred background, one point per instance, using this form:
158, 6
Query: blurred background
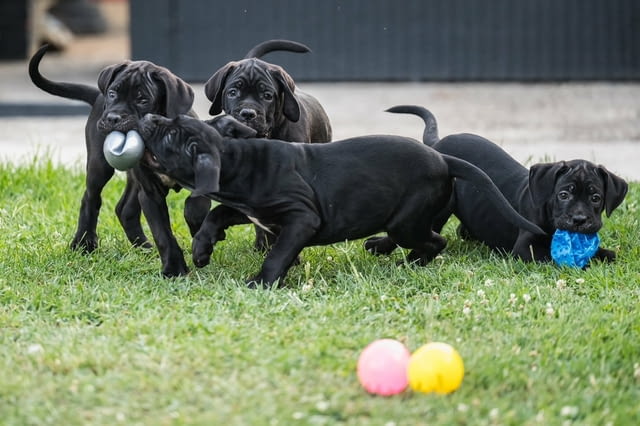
547, 79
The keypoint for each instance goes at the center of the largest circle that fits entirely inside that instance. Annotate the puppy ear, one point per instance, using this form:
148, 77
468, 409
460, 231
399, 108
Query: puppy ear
615, 189
107, 75
179, 95
229, 127
214, 87
290, 106
207, 175
542, 180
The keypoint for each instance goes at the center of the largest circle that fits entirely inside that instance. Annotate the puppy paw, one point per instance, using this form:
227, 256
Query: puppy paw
172, 271
380, 245
84, 245
605, 255
255, 282
146, 245
201, 250
259, 281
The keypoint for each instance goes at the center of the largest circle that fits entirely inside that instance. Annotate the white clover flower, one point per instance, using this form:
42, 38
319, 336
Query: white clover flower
493, 414
549, 310
322, 405
526, 298
561, 284
569, 411
35, 348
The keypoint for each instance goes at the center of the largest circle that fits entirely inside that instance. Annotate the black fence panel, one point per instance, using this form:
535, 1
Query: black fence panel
398, 39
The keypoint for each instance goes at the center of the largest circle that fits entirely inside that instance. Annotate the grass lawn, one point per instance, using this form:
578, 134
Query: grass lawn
104, 339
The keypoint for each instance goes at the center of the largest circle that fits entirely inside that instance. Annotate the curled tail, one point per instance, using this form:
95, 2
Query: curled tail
466, 171
79, 92
430, 134
272, 45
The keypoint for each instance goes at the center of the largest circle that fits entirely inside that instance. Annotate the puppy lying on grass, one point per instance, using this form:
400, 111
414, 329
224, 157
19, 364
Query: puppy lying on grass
567, 196
313, 194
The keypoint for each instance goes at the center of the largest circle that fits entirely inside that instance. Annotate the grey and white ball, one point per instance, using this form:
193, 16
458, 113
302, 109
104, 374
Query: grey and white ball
123, 152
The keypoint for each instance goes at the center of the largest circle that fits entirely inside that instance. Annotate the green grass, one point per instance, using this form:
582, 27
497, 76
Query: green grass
104, 339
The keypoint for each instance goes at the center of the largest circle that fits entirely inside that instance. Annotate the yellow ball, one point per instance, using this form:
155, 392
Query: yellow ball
435, 367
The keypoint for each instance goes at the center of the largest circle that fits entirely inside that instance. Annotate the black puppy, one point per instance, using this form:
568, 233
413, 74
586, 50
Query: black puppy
566, 195
264, 97
313, 194
126, 92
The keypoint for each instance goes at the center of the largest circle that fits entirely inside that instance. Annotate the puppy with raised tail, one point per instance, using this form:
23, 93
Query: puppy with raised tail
264, 97
564, 195
126, 91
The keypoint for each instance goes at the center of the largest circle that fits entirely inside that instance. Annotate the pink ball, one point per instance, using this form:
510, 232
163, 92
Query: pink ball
382, 367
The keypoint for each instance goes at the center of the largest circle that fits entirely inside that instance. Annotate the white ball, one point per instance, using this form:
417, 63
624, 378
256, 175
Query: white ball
122, 152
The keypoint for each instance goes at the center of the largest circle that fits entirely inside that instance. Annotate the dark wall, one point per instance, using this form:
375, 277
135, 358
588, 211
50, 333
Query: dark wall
14, 42
398, 39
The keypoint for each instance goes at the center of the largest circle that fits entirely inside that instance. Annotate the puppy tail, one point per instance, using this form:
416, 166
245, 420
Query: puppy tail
430, 134
79, 92
466, 171
273, 45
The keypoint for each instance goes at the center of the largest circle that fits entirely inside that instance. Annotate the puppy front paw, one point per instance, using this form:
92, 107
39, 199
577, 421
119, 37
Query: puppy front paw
380, 245
605, 255
259, 281
201, 250
85, 243
175, 270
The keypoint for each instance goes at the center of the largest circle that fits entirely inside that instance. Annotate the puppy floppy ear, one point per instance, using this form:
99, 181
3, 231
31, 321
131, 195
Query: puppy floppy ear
290, 105
542, 180
214, 87
107, 75
615, 189
207, 174
179, 95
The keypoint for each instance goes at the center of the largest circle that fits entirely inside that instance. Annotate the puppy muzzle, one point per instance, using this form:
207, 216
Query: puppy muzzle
110, 122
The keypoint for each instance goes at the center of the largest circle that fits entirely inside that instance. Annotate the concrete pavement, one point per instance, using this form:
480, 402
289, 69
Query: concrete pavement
599, 122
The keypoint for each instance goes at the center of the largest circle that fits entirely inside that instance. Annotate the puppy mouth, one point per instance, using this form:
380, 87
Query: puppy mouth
257, 123
578, 226
123, 125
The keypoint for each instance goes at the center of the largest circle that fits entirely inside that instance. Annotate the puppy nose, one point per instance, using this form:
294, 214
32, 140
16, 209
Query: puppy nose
579, 219
113, 118
248, 114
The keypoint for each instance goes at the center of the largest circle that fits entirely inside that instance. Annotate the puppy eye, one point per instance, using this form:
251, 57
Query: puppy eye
596, 198
267, 96
563, 195
232, 93
111, 94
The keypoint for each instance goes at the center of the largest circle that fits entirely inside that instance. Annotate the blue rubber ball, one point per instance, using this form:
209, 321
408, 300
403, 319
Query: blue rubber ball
573, 249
